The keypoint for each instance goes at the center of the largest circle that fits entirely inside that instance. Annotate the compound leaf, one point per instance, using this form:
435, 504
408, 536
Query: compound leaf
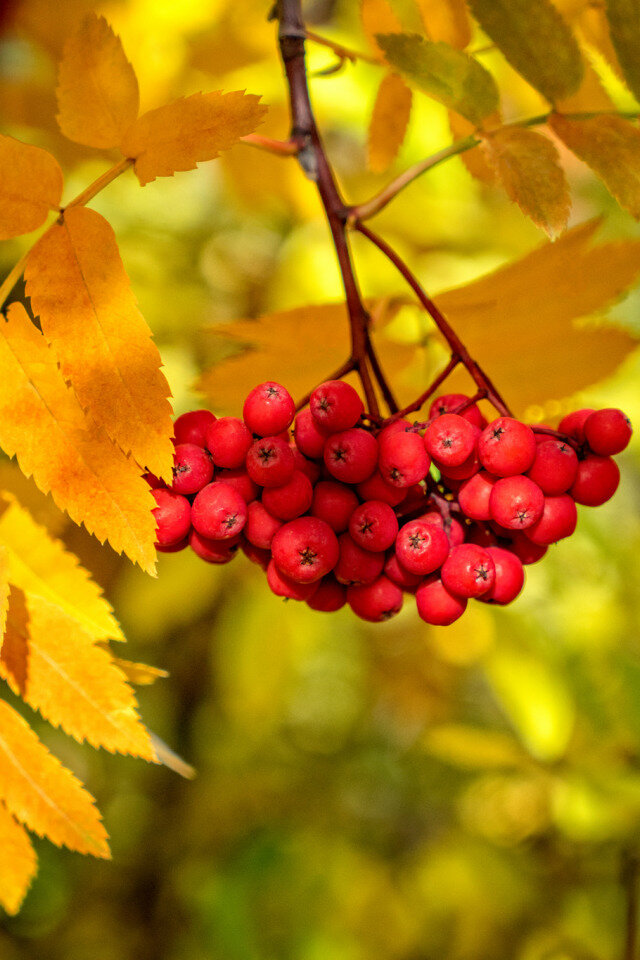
389, 122
30, 186
18, 864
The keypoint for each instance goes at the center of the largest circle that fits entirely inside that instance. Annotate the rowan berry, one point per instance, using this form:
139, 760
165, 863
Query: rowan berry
607, 431
351, 455
377, 488
255, 554
396, 426
270, 462
403, 459
240, 480
192, 427
437, 605
290, 500
474, 494
506, 447
454, 530
421, 547
558, 520
596, 481
218, 511
261, 525
335, 406
284, 586
555, 467
305, 549
228, 440
172, 515
468, 571
573, 424
213, 551
373, 525
173, 547
310, 468
329, 597
268, 409
192, 468
394, 570
334, 503
509, 577
355, 564
450, 440
308, 436
525, 549
449, 403
516, 502
375, 601
463, 471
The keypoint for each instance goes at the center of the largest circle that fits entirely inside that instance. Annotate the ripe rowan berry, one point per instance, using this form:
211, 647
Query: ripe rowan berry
335, 406
607, 431
555, 466
403, 459
192, 468
308, 436
573, 424
449, 402
450, 440
192, 427
172, 514
268, 409
213, 551
437, 605
218, 511
394, 570
596, 481
506, 447
525, 549
377, 488
355, 564
509, 577
290, 500
305, 549
240, 480
373, 525
284, 586
375, 601
468, 571
474, 494
228, 440
516, 502
261, 525
270, 462
421, 547
351, 455
329, 597
558, 520
334, 503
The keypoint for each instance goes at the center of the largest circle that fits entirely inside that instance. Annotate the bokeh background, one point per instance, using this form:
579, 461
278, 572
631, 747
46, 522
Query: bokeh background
393, 792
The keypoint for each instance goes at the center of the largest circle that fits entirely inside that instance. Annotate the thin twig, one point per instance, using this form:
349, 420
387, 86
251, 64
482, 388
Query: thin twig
630, 878
283, 148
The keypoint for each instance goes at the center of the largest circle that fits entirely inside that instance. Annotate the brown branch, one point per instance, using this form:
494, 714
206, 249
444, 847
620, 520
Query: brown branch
630, 878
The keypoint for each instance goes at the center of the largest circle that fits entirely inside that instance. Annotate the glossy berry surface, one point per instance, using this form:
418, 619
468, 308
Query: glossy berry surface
607, 431
269, 409
305, 549
192, 468
468, 571
218, 511
375, 601
192, 427
351, 455
373, 525
172, 515
506, 447
335, 406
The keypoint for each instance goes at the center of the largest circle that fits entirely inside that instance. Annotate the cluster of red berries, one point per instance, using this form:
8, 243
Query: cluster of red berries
345, 512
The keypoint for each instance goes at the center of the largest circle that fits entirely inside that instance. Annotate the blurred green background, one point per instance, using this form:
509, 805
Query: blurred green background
393, 792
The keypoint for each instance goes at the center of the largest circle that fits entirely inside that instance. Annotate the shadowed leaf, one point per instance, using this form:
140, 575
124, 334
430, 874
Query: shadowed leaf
30, 187
18, 864
388, 122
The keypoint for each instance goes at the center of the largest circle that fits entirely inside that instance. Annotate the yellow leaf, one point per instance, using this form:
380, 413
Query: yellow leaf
18, 863
30, 186
139, 673
272, 351
527, 164
446, 20
39, 505
41, 566
88, 313
474, 159
536, 41
389, 122
624, 25
378, 17
43, 794
188, 131
518, 321
4, 590
56, 667
97, 86
68, 454
590, 95
611, 147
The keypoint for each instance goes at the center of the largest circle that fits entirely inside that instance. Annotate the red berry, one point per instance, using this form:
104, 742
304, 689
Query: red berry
373, 525
596, 481
335, 406
305, 549
507, 447
192, 468
396, 426
555, 466
351, 455
334, 503
310, 468
421, 547
516, 502
192, 427
403, 459
284, 586
607, 431
218, 511
375, 601
450, 440
228, 440
309, 438
573, 424
329, 597
240, 480
356, 565
468, 571
256, 554
173, 547
394, 570
525, 549
462, 472
558, 520
436, 605
268, 409
449, 402
261, 526
270, 462
213, 551
290, 500
509, 578
474, 494
172, 515
376, 488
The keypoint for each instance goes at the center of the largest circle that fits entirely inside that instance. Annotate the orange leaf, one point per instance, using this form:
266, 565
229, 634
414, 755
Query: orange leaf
528, 166
43, 794
4, 590
40, 565
611, 147
97, 86
446, 20
68, 454
78, 287
474, 160
30, 186
378, 17
389, 121
56, 667
188, 131
18, 864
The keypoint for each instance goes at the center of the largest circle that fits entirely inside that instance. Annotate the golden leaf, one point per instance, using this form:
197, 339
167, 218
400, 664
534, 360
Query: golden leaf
388, 122
518, 321
41, 566
43, 794
141, 674
56, 667
527, 164
97, 87
190, 130
18, 863
589, 97
611, 147
446, 20
624, 26
88, 313
68, 454
474, 159
378, 17
30, 186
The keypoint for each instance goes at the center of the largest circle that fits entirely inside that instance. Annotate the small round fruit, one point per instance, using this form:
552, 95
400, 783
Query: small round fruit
172, 515
335, 406
305, 549
218, 511
351, 455
261, 526
468, 571
192, 427
373, 525
607, 431
268, 409
308, 436
228, 440
509, 578
516, 502
403, 459
596, 481
334, 503
421, 547
573, 424
375, 601
437, 605
507, 447
555, 466
450, 402
284, 586
450, 439
213, 551
329, 597
355, 564
558, 520
192, 468
270, 462
290, 500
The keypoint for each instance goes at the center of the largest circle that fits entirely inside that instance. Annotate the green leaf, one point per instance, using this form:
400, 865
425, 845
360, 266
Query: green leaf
624, 26
449, 76
536, 41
